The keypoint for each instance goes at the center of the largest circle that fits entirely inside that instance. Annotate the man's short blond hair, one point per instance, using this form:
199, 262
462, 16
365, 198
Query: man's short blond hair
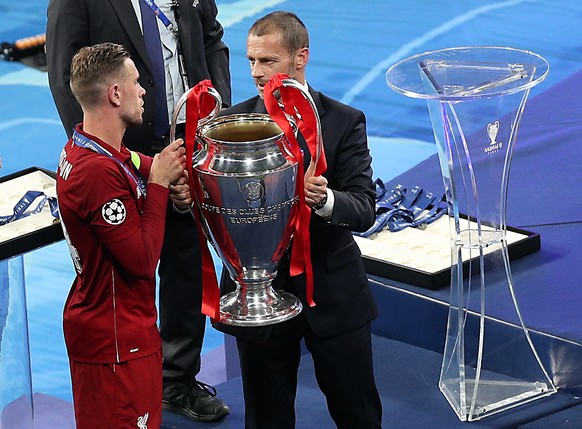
92, 70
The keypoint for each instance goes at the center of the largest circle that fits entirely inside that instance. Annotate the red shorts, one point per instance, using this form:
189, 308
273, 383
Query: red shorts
118, 396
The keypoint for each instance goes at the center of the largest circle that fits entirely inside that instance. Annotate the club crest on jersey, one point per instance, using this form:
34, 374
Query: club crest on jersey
142, 421
113, 212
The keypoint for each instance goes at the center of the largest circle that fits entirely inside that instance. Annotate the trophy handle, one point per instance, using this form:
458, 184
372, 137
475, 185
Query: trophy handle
202, 121
319, 140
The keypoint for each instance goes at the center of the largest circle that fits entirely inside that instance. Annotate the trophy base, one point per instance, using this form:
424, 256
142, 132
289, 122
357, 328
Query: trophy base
258, 307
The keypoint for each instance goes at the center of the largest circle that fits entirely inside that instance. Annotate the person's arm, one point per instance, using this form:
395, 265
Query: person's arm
136, 242
67, 31
133, 239
352, 184
216, 51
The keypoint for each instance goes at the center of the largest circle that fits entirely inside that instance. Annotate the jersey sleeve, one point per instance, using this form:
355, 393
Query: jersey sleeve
134, 239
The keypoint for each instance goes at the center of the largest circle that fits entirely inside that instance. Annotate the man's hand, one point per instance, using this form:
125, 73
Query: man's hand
315, 187
180, 193
168, 165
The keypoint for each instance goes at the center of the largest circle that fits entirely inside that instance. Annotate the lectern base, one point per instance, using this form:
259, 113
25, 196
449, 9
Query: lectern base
488, 401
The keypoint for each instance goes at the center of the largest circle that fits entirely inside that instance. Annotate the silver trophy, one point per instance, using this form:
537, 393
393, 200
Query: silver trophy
249, 203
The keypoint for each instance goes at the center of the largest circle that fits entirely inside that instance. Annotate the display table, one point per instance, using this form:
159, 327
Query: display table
33, 226
422, 256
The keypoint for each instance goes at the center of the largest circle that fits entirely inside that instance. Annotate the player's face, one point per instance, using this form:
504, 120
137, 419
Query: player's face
132, 110
268, 56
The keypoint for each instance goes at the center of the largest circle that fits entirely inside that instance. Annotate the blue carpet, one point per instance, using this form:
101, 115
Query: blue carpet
567, 419
407, 379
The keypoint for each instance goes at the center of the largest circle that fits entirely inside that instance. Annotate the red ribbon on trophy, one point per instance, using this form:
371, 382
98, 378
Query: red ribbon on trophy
200, 104
291, 102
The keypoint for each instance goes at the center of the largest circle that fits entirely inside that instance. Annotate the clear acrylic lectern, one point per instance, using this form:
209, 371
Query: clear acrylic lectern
476, 97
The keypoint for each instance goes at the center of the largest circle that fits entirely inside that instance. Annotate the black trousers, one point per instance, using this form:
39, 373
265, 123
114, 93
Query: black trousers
343, 369
181, 321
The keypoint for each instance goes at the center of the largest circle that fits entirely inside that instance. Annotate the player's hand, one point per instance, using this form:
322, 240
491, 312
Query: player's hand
168, 165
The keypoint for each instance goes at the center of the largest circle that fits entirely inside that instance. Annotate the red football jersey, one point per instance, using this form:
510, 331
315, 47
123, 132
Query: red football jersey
115, 237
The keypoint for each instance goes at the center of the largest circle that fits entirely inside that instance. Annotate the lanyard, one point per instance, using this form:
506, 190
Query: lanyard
87, 143
158, 12
168, 24
21, 207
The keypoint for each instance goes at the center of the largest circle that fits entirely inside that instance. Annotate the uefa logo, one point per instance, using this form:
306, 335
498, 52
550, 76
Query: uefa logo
492, 131
253, 192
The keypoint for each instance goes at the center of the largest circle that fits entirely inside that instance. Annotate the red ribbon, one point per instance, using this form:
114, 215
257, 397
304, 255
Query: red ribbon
295, 105
199, 106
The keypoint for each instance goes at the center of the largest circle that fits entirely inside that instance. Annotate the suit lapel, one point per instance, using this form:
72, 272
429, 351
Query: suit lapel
315, 95
259, 106
184, 27
189, 30
126, 16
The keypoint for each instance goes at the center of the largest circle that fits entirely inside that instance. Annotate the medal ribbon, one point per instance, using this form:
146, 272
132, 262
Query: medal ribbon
198, 106
398, 209
21, 207
295, 105
86, 142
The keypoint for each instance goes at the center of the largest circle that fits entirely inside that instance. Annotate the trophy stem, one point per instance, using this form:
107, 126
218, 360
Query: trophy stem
257, 304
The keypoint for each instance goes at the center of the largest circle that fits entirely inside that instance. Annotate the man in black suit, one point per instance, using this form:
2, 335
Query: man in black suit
337, 330
191, 28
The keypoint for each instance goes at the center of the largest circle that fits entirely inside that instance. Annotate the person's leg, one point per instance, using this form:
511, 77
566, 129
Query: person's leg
269, 376
182, 323
344, 372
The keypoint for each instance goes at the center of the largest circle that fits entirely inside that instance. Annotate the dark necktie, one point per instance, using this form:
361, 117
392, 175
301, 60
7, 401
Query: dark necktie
153, 44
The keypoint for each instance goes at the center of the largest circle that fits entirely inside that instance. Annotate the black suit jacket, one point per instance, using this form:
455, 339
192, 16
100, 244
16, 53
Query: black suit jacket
72, 24
341, 290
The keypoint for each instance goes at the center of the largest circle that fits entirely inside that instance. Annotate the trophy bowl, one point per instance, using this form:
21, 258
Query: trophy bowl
248, 203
